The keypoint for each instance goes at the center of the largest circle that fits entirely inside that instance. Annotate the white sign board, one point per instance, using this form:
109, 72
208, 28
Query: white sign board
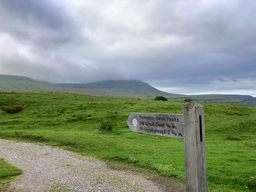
169, 125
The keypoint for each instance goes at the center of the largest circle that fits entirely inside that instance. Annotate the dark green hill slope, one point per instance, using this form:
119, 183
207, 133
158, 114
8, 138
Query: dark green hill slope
127, 88
9, 83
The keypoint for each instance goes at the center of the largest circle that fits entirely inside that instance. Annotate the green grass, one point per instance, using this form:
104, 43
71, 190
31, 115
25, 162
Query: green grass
7, 173
71, 121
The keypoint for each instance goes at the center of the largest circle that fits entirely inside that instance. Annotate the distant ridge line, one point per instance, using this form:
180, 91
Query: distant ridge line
115, 88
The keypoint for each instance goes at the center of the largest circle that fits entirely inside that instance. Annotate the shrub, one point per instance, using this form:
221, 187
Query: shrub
13, 109
161, 98
187, 100
105, 127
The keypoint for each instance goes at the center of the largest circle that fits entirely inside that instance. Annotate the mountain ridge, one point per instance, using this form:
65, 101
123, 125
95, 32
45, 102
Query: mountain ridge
116, 88
119, 88
123, 88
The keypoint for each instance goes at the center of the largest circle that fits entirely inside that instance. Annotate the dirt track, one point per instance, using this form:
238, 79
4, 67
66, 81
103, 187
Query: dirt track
52, 169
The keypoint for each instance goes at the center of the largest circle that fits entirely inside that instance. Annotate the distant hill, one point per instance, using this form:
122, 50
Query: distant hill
127, 88
117, 88
10, 83
122, 88
218, 98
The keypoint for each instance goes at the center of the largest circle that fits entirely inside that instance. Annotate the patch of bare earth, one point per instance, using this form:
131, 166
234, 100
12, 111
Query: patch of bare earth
50, 169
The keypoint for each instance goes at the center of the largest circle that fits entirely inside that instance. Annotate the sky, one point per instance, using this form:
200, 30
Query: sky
179, 46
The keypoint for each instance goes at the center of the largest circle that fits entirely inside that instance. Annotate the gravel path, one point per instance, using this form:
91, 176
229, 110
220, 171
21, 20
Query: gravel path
52, 169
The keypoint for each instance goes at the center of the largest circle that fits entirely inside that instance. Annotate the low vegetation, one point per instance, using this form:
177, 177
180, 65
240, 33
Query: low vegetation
160, 98
7, 173
105, 127
72, 121
187, 100
13, 109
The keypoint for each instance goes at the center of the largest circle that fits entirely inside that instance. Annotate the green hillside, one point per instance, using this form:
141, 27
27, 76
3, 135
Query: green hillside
9, 83
125, 88
71, 121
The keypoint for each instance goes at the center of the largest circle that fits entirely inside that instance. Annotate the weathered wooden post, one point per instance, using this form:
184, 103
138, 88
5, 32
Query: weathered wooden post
189, 126
195, 157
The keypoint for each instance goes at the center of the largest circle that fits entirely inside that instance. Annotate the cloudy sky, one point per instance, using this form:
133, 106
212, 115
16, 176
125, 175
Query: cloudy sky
180, 46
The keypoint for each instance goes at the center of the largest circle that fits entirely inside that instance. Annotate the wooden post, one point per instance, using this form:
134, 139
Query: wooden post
195, 157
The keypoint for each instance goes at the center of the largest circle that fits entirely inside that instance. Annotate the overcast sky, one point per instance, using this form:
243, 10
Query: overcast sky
180, 46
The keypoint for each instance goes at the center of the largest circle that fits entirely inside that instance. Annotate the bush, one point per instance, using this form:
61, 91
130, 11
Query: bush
105, 127
13, 109
160, 98
187, 100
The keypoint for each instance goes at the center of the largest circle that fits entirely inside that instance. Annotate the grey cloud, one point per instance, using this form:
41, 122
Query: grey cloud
170, 43
44, 12
43, 23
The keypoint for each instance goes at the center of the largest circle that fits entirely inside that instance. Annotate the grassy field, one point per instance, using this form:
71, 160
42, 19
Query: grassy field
7, 173
71, 121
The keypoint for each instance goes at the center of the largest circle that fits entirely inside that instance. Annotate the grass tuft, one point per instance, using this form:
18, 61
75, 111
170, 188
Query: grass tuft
105, 127
252, 183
